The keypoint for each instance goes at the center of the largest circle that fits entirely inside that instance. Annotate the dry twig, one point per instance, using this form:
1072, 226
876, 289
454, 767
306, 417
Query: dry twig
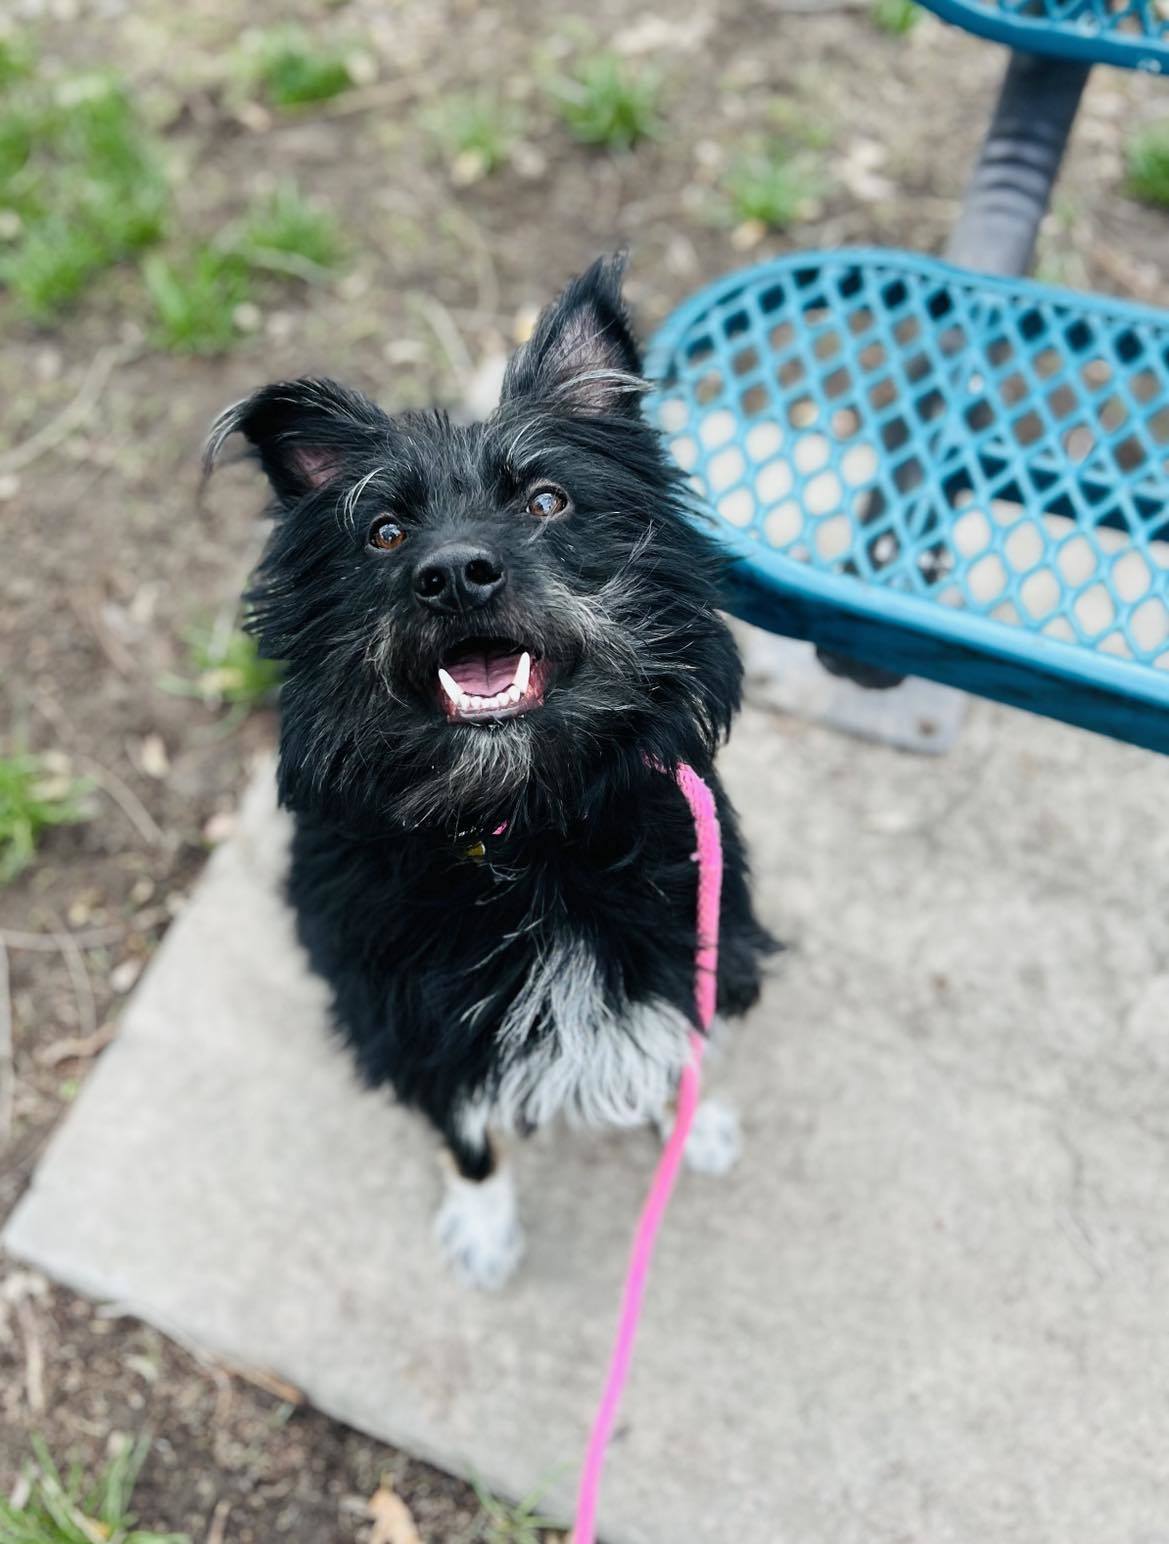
127, 801
34, 1355
448, 336
50, 943
217, 1532
88, 612
82, 986
75, 412
109, 782
77, 1047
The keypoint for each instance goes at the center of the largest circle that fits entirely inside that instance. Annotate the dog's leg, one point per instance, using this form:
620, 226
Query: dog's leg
715, 1141
477, 1226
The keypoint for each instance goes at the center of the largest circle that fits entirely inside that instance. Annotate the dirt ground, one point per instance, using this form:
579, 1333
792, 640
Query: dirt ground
109, 551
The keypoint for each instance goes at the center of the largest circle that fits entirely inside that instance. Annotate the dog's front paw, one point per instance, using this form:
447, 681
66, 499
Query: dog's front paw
715, 1141
478, 1230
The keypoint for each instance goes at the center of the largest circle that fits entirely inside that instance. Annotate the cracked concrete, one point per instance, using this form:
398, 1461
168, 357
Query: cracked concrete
928, 1306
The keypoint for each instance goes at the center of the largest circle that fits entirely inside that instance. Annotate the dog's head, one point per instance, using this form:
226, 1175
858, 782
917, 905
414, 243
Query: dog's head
481, 622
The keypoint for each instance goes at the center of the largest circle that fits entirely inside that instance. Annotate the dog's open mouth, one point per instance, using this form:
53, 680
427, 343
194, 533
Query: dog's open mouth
490, 678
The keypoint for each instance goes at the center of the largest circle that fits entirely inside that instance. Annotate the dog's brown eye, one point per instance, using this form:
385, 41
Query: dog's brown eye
385, 534
547, 501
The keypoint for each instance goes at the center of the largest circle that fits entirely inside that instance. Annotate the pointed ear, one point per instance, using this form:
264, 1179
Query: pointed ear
582, 355
303, 432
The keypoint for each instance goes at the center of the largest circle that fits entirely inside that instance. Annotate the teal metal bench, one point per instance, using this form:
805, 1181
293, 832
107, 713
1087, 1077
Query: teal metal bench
941, 468
1130, 33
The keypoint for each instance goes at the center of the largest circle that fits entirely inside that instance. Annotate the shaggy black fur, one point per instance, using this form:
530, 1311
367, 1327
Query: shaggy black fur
426, 947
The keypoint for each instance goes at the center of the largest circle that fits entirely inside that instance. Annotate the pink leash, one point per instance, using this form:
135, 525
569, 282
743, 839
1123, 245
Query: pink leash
710, 872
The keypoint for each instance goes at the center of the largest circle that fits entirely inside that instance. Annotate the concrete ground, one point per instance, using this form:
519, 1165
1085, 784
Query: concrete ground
928, 1306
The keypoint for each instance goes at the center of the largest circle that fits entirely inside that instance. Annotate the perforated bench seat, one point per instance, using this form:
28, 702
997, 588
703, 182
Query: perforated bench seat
955, 476
1132, 33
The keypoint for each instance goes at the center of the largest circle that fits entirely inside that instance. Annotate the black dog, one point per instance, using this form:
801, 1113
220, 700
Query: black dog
495, 637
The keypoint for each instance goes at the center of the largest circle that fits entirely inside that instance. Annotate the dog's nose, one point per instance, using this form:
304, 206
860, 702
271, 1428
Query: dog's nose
459, 577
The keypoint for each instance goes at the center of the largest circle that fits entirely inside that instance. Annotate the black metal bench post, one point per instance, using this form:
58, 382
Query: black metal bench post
1010, 188
1002, 208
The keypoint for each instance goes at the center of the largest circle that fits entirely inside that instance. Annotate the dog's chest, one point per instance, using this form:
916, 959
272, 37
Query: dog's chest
565, 1048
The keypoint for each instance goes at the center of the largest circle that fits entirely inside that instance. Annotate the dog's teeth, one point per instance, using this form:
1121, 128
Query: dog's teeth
471, 702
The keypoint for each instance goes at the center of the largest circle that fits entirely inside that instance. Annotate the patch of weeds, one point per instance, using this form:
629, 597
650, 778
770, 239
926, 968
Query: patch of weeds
36, 793
288, 233
608, 101
1147, 159
795, 125
18, 129
771, 186
896, 17
225, 669
476, 131
16, 58
71, 1509
293, 69
81, 188
196, 298
518, 1524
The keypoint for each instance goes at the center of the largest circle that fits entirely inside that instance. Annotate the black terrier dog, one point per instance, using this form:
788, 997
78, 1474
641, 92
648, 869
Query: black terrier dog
498, 639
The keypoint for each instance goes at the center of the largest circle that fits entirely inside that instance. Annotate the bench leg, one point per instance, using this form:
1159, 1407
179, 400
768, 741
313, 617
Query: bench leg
1011, 185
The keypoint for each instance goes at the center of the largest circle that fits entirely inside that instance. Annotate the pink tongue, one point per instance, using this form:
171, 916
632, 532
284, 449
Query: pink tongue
483, 675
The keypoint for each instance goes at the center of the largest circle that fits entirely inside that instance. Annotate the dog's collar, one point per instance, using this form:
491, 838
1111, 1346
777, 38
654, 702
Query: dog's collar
472, 844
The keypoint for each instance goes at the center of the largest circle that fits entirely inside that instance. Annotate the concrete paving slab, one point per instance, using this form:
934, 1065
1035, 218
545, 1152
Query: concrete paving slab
928, 1306
785, 673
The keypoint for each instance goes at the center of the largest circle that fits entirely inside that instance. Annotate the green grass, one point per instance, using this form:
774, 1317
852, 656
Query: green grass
16, 59
475, 130
18, 131
82, 187
71, 1509
1147, 158
224, 668
290, 234
503, 1524
795, 124
35, 794
608, 101
770, 185
292, 69
896, 17
195, 298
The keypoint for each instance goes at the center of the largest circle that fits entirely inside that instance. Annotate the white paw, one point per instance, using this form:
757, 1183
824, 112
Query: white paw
478, 1230
715, 1141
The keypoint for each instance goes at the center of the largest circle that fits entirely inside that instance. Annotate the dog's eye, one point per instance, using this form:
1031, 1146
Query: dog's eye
546, 501
385, 534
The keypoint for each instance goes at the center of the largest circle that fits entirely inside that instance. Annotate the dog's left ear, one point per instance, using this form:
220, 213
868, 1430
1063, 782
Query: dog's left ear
582, 355
303, 433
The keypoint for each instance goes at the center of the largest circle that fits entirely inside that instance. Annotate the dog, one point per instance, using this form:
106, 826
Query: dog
498, 640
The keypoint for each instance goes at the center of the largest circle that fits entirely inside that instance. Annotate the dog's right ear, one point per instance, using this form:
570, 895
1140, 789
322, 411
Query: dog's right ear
303, 432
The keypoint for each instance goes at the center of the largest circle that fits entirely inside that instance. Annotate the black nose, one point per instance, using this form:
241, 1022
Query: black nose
459, 577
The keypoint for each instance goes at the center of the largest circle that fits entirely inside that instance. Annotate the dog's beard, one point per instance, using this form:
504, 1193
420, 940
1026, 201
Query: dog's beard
635, 674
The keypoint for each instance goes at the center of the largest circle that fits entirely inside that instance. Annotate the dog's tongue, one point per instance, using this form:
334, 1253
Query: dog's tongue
483, 674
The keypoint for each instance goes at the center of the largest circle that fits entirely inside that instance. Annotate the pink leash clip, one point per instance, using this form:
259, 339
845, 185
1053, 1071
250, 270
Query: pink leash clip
710, 872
